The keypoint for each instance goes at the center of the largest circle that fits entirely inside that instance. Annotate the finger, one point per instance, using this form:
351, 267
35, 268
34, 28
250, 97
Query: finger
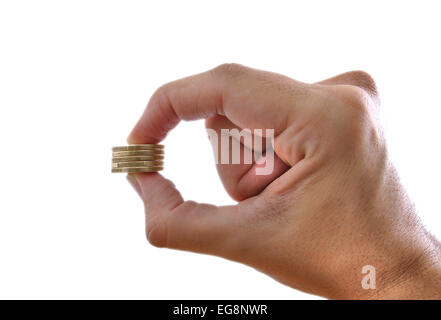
176, 224
359, 79
246, 96
241, 180
250, 99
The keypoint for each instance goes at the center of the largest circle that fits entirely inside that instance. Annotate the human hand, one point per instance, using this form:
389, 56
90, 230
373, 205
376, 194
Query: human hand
332, 204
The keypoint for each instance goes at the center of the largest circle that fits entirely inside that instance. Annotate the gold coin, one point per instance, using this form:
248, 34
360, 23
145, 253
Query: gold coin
137, 164
138, 153
138, 158
133, 170
134, 147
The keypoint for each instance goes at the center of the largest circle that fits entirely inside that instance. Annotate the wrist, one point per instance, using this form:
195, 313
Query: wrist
418, 276
408, 274
405, 258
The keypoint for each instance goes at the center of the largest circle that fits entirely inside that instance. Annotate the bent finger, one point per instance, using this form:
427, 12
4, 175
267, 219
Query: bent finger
249, 98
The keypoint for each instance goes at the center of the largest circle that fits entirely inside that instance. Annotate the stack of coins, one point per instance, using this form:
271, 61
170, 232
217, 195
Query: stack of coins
138, 158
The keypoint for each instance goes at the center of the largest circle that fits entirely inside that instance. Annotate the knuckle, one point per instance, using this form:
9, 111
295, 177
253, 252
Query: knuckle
364, 81
229, 70
353, 111
156, 233
160, 94
351, 100
360, 112
357, 108
357, 99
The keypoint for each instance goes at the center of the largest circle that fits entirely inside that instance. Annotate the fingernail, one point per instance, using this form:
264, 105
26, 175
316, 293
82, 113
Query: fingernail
135, 184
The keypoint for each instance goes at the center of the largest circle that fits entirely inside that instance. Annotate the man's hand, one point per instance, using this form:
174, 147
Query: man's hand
332, 205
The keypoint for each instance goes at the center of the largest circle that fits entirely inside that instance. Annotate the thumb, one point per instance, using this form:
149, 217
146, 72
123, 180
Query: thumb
174, 223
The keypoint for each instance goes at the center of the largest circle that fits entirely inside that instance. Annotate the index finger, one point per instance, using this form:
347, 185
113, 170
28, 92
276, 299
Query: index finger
250, 98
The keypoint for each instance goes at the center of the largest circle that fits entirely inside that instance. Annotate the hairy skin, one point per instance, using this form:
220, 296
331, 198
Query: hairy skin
333, 204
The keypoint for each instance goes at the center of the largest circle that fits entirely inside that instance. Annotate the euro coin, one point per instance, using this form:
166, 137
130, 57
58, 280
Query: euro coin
134, 170
135, 147
137, 164
137, 153
138, 158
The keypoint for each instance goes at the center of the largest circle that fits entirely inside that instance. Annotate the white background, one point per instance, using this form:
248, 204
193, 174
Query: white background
76, 75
